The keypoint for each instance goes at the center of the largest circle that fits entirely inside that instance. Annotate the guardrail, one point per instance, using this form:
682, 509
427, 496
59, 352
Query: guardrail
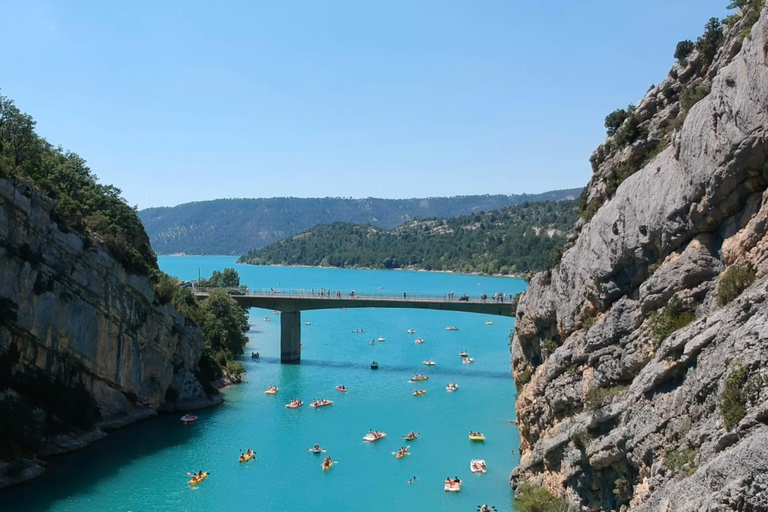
366, 295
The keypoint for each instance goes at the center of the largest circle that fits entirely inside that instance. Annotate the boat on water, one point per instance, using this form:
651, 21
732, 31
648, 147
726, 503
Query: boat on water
381, 338
327, 464
419, 378
294, 404
197, 479
248, 455
374, 365
488, 322
486, 508
275, 312
341, 389
428, 362
478, 466
307, 323
451, 328
464, 353
188, 419
477, 437
267, 319
452, 387
402, 452
411, 331
467, 360
316, 449
358, 331
372, 436
419, 341
419, 392
271, 390
410, 436
321, 403
452, 485
254, 355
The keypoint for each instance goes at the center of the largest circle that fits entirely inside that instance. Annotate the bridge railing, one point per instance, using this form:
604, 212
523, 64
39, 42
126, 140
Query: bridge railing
362, 295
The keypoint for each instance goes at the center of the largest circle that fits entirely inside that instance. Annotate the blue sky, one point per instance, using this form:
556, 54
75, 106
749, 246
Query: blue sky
193, 100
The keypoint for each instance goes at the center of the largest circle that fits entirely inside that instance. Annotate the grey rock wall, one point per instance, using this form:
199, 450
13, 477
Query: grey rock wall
694, 208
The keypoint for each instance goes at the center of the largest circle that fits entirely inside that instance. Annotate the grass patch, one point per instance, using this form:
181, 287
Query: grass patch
682, 461
673, 317
595, 397
734, 280
621, 488
535, 498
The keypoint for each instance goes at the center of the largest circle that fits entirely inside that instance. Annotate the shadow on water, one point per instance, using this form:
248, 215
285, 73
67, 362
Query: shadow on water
432, 370
77, 472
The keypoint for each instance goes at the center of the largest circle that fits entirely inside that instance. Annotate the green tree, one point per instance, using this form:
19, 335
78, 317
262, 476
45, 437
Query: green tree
227, 279
710, 41
224, 323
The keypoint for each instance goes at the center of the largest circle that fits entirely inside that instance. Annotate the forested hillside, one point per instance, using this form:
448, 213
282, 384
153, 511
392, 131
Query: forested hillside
234, 226
518, 238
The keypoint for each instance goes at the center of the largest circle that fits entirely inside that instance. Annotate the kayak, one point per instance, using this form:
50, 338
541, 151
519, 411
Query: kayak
451, 387
400, 455
419, 392
452, 486
419, 341
247, 456
467, 360
321, 403
477, 466
294, 405
381, 338
428, 362
341, 389
188, 418
478, 437
196, 481
419, 378
372, 438
464, 353
271, 391
327, 466
411, 331
409, 437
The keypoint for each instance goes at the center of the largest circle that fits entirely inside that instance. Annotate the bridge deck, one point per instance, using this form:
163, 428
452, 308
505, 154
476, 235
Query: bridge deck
302, 300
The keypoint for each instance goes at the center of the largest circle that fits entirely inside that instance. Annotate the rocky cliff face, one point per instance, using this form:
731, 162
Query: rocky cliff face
642, 379
72, 311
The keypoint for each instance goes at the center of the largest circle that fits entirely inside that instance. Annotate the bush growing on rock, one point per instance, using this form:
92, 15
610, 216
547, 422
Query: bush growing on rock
683, 49
682, 461
734, 280
615, 119
535, 498
733, 400
673, 317
595, 397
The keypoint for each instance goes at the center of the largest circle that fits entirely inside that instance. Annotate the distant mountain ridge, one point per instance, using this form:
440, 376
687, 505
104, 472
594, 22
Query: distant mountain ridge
236, 226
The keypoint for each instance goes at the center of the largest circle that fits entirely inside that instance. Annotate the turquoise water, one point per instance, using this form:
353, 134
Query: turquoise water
143, 467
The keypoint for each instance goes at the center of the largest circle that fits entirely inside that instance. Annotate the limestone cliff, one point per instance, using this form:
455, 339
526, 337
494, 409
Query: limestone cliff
639, 359
71, 310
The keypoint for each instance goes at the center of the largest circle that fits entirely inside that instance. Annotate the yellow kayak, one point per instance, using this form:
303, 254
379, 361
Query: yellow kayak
328, 466
400, 455
271, 391
196, 481
419, 392
247, 456
479, 438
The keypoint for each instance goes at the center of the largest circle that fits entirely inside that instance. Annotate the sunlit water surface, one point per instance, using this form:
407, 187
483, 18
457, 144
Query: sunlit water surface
143, 467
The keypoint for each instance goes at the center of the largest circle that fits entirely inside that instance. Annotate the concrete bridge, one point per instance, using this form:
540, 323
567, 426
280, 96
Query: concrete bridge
292, 302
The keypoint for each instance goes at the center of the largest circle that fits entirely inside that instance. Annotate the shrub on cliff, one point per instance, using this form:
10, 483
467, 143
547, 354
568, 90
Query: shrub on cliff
710, 41
734, 280
535, 498
683, 49
733, 400
614, 120
673, 317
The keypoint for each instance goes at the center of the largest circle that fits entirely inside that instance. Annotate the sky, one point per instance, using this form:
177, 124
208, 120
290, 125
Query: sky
179, 101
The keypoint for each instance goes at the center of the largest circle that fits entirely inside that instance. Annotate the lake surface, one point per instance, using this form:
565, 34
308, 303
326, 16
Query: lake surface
143, 467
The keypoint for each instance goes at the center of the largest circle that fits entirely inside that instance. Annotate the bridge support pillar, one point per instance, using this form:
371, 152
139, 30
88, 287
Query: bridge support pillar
290, 337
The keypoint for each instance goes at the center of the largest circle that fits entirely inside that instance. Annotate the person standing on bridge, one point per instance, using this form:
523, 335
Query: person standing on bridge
403, 295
